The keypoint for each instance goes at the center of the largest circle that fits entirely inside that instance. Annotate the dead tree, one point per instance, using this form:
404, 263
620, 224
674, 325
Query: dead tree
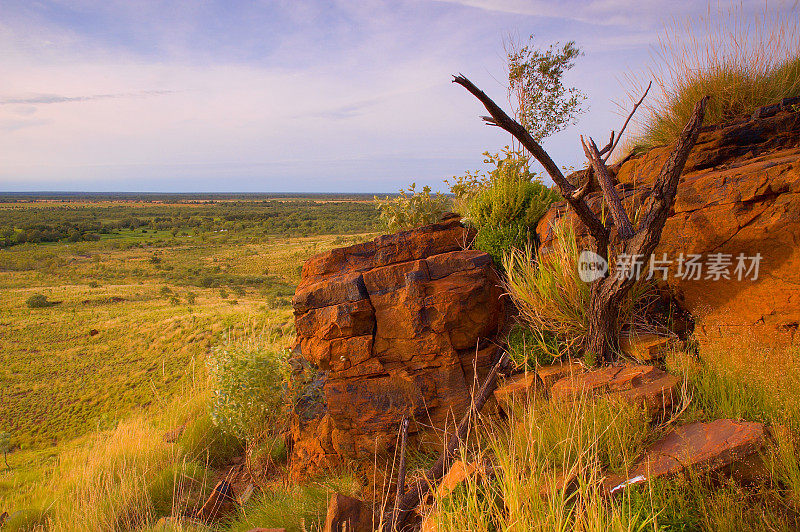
608, 292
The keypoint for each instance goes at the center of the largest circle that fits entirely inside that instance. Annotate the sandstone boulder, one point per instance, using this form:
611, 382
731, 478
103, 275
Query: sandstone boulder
390, 328
739, 195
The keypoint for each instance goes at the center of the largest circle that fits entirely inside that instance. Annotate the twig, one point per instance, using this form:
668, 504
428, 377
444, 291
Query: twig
621, 131
401, 475
412, 498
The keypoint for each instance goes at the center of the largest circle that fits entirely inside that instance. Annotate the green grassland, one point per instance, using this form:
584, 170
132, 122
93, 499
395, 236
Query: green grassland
134, 312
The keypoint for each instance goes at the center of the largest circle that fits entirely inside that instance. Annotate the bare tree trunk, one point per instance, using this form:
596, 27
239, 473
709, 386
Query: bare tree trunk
608, 292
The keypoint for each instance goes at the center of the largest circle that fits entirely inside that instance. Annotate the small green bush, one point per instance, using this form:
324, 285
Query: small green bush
498, 240
248, 381
504, 204
411, 208
38, 301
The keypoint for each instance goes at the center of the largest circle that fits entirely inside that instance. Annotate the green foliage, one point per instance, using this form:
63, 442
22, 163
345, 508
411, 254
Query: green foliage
294, 507
549, 293
177, 487
38, 301
206, 442
498, 240
505, 203
531, 348
27, 520
535, 78
132, 220
248, 381
551, 297
411, 208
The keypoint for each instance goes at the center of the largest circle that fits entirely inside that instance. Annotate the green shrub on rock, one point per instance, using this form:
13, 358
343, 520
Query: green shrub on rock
412, 209
504, 204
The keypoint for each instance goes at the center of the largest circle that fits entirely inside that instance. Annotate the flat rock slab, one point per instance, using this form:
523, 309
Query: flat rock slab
698, 446
644, 347
645, 385
526, 385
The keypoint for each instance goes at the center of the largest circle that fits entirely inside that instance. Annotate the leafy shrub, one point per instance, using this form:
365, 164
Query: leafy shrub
38, 301
248, 388
505, 203
544, 105
412, 209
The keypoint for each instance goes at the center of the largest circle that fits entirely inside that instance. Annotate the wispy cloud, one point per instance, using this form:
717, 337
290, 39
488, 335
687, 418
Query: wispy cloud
357, 95
56, 98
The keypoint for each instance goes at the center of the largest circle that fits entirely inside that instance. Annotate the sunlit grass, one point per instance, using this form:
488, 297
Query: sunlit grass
741, 62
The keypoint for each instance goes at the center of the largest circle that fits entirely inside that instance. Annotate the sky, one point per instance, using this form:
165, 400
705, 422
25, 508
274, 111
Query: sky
293, 96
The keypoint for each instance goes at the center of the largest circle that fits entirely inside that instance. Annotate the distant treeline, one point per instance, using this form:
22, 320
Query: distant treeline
77, 221
176, 197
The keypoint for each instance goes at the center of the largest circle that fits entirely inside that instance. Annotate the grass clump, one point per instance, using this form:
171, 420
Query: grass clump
205, 441
543, 444
293, 507
551, 298
529, 348
742, 62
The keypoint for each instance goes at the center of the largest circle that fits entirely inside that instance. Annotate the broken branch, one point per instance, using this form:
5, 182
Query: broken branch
621, 131
621, 220
414, 496
567, 189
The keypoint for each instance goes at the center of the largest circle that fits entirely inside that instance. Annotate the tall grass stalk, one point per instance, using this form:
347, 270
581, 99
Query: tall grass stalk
551, 297
742, 61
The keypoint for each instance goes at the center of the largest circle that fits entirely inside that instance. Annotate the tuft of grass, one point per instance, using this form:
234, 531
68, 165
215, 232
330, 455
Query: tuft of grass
548, 291
123, 480
743, 62
528, 348
541, 444
293, 507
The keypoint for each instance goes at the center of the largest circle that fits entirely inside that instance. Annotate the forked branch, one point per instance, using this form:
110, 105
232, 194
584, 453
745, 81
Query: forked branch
621, 220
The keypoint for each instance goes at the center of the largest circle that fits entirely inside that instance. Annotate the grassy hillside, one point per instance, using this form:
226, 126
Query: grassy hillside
130, 319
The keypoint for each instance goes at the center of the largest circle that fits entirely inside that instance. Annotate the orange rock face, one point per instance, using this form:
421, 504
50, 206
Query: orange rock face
739, 194
391, 327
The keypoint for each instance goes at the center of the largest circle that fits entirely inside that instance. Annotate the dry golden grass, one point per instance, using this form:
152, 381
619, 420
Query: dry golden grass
742, 62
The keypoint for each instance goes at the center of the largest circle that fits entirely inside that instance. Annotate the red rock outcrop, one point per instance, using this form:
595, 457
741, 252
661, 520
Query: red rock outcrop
390, 327
739, 195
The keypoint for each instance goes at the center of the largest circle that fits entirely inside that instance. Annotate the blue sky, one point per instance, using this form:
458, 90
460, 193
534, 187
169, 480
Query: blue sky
273, 96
